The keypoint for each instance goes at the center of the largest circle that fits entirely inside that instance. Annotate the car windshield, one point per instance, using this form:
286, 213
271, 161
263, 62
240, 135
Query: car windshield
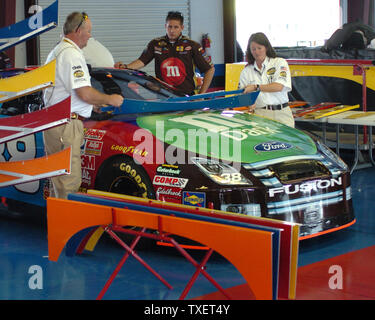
131, 84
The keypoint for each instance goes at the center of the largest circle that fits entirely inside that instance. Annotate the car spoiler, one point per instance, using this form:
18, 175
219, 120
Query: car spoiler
26, 83
23, 171
21, 125
213, 100
26, 29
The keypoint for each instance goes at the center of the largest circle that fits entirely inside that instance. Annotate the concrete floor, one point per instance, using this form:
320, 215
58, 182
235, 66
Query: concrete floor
24, 255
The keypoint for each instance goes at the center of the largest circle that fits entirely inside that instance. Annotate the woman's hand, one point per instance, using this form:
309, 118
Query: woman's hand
251, 109
250, 88
270, 87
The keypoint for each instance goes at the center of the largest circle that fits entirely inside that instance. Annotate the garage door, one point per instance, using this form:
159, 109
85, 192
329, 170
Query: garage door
123, 26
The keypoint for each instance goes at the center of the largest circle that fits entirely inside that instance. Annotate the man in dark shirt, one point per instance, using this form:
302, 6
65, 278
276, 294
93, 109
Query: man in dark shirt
176, 57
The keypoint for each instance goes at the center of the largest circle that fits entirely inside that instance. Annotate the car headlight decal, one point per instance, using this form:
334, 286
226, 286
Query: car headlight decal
249, 209
333, 157
348, 193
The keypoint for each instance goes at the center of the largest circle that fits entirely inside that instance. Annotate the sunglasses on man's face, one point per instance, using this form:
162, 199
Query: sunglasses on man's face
84, 18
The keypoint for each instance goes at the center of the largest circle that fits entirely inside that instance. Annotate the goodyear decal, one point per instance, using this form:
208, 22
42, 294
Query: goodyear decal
129, 149
195, 199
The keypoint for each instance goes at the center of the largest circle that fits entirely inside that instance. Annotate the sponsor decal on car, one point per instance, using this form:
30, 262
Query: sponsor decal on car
169, 194
169, 191
168, 169
94, 134
129, 149
93, 147
272, 146
196, 199
87, 162
306, 186
170, 181
86, 176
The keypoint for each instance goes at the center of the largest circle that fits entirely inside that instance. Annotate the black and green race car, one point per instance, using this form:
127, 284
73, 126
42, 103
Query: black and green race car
223, 159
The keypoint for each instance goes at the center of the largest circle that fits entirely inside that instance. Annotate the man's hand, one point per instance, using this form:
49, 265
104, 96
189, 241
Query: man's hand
97, 109
120, 65
97, 98
115, 100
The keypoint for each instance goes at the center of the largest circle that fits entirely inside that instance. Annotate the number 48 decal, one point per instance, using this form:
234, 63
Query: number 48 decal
20, 149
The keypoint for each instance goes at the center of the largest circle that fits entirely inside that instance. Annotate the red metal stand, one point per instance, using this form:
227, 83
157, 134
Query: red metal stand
129, 251
161, 236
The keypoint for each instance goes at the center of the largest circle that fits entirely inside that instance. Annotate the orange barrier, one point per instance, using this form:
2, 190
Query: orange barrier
16, 172
289, 235
252, 254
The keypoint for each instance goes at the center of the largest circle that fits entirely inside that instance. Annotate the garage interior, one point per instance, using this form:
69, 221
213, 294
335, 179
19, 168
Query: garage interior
23, 233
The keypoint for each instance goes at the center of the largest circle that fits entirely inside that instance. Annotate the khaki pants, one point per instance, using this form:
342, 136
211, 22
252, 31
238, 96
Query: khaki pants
284, 115
57, 139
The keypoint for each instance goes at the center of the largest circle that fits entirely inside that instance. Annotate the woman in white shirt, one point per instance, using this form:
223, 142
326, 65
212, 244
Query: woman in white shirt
271, 76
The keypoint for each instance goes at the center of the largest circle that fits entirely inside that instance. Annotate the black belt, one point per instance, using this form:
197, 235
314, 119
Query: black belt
276, 106
76, 116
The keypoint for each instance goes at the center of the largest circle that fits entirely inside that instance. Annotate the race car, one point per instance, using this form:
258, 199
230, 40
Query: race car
223, 159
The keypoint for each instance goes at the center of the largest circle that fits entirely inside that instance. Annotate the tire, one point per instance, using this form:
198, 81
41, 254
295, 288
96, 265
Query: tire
122, 175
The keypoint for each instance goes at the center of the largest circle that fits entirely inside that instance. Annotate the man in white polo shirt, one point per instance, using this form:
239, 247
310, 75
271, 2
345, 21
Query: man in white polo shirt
72, 79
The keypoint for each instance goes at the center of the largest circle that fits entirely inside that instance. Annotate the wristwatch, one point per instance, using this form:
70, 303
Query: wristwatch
257, 87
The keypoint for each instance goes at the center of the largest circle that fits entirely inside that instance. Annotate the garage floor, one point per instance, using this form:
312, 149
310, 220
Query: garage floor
26, 272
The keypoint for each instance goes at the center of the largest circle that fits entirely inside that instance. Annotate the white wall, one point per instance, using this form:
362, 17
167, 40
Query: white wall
207, 17
20, 49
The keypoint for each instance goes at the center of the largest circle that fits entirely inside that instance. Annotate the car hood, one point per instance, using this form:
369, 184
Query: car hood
228, 135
